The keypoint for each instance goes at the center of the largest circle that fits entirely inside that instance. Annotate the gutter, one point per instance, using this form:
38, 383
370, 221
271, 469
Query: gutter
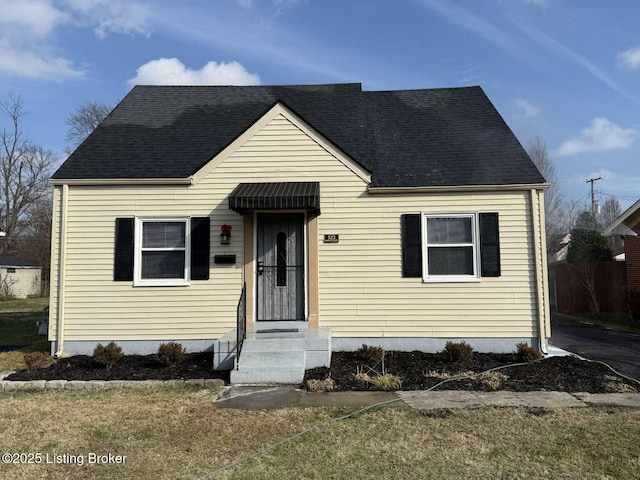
62, 261
540, 262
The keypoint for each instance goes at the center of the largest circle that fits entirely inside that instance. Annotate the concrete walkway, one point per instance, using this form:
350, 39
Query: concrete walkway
286, 396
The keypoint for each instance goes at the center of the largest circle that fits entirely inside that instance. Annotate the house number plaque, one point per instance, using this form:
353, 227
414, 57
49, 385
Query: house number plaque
331, 238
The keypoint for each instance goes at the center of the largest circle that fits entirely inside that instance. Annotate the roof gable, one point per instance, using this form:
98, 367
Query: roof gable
411, 138
281, 109
630, 218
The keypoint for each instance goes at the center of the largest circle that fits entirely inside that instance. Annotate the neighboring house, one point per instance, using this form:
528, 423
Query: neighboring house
19, 278
627, 227
395, 218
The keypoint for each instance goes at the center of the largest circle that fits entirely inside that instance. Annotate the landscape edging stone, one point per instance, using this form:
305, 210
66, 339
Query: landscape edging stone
14, 385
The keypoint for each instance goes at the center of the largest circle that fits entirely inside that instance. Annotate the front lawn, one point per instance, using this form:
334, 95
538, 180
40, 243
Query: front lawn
179, 433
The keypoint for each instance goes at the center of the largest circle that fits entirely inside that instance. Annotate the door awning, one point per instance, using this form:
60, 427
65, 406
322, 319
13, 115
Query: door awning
247, 197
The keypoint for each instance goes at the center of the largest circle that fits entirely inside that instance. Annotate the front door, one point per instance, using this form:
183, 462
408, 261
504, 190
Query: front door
280, 268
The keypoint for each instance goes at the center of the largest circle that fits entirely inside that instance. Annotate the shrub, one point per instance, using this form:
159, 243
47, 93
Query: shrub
107, 355
375, 354
458, 352
37, 360
381, 382
526, 353
171, 353
446, 375
492, 380
326, 385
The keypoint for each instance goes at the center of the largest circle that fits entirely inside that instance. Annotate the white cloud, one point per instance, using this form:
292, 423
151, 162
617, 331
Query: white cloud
26, 49
629, 58
29, 18
112, 16
28, 30
29, 65
602, 134
171, 71
245, 3
528, 110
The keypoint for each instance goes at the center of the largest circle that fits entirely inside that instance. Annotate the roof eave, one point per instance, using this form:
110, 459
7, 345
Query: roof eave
122, 181
624, 218
461, 188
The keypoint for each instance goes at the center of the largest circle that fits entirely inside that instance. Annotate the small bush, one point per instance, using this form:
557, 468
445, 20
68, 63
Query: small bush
381, 382
171, 353
368, 352
326, 385
492, 380
458, 352
37, 360
526, 353
107, 355
446, 376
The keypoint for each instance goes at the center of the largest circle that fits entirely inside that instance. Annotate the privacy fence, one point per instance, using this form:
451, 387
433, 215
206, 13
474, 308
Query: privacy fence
588, 287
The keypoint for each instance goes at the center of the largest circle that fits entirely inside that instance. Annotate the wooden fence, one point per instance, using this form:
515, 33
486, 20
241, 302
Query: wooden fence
574, 288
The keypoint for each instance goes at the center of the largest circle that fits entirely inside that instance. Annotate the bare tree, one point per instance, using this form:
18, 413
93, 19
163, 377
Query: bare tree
554, 204
83, 121
25, 169
609, 212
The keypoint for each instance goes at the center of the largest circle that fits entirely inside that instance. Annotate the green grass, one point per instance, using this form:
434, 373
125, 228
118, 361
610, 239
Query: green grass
18, 326
179, 433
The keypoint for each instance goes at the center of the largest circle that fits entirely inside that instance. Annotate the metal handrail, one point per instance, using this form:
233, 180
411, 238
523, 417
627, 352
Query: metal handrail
241, 323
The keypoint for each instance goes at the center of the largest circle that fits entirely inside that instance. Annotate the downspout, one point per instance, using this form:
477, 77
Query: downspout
62, 261
540, 262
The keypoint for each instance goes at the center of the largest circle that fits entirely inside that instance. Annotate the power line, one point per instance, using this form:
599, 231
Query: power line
618, 196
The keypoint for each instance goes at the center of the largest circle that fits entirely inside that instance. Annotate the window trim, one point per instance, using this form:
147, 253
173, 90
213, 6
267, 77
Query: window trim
138, 281
475, 244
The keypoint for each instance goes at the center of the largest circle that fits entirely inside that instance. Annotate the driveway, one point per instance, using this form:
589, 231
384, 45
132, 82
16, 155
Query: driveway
619, 349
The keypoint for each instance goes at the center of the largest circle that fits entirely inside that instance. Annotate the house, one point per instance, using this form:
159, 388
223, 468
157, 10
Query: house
395, 218
627, 226
19, 278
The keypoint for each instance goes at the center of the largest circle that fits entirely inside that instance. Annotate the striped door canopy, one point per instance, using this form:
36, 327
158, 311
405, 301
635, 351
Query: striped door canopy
247, 197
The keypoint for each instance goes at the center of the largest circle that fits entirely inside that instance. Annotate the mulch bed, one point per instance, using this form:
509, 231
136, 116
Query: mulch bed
129, 367
420, 371
417, 370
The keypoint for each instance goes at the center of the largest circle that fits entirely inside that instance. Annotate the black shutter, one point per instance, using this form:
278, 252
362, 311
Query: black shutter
411, 246
200, 248
123, 256
489, 245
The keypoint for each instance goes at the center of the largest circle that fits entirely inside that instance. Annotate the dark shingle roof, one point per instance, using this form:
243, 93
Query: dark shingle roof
449, 136
16, 262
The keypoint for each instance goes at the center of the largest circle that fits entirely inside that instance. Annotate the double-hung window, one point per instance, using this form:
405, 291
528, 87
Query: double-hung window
450, 249
162, 251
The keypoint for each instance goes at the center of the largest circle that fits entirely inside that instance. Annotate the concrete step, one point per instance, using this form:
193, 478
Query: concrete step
272, 358
313, 339
281, 375
266, 344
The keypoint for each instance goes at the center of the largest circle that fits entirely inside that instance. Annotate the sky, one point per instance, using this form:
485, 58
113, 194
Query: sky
567, 71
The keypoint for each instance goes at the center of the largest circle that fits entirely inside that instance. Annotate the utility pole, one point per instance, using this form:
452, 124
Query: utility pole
593, 196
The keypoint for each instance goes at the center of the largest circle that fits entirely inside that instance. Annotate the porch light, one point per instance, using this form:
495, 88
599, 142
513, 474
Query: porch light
225, 236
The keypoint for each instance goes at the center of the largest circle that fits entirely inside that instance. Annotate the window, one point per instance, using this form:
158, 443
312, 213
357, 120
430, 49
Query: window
450, 248
281, 253
11, 270
162, 252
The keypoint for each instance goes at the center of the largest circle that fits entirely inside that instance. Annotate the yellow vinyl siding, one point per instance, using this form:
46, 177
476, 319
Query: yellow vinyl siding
361, 288
361, 291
